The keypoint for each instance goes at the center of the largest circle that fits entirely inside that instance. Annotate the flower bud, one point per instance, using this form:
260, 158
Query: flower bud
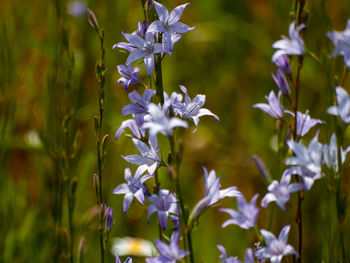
261, 167
96, 182
92, 19
282, 63
281, 82
81, 250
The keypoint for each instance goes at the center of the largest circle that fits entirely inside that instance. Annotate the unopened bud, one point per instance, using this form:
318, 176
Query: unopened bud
96, 182
81, 250
92, 19
261, 167
103, 210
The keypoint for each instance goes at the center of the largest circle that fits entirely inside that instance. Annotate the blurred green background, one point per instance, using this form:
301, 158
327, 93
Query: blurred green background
49, 92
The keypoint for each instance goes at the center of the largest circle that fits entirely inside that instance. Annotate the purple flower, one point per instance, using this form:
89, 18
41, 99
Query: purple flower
149, 158
76, 8
246, 215
249, 256
139, 105
292, 46
304, 122
117, 260
343, 108
281, 82
160, 122
282, 63
306, 175
310, 157
168, 253
341, 41
212, 188
276, 248
144, 48
192, 109
124, 45
133, 187
279, 192
133, 126
129, 75
274, 108
164, 203
330, 153
224, 257
142, 29
109, 219
168, 24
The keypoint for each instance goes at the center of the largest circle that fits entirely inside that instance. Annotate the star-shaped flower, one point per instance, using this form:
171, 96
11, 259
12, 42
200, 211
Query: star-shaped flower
341, 41
330, 153
169, 24
224, 258
343, 108
129, 75
192, 109
168, 253
139, 105
279, 192
149, 158
274, 108
246, 215
292, 46
276, 248
163, 203
133, 187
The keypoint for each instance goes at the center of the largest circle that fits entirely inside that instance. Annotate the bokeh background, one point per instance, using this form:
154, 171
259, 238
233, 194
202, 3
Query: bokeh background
49, 95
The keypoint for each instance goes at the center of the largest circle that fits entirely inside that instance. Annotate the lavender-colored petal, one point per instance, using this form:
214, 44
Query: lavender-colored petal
127, 201
149, 63
136, 159
156, 27
180, 28
203, 112
176, 13
283, 236
162, 12
121, 189
150, 210
268, 198
268, 236
163, 219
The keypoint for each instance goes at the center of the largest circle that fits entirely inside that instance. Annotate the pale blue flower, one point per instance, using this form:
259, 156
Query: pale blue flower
304, 122
168, 253
144, 49
133, 126
292, 46
164, 203
246, 215
308, 177
343, 108
279, 192
160, 122
341, 41
330, 153
224, 258
117, 260
129, 75
276, 248
212, 188
169, 24
139, 105
192, 109
149, 158
133, 187
309, 157
274, 107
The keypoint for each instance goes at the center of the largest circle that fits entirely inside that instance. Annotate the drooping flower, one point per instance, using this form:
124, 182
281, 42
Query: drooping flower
169, 24
109, 219
246, 215
330, 153
341, 41
192, 109
149, 158
160, 122
224, 258
168, 253
139, 105
274, 108
281, 82
279, 192
343, 108
163, 203
276, 248
144, 49
282, 63
292, 46
310, 157
133, 187
129, 75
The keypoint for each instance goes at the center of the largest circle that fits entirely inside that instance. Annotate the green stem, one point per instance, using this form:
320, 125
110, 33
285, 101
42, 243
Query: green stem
159, 79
